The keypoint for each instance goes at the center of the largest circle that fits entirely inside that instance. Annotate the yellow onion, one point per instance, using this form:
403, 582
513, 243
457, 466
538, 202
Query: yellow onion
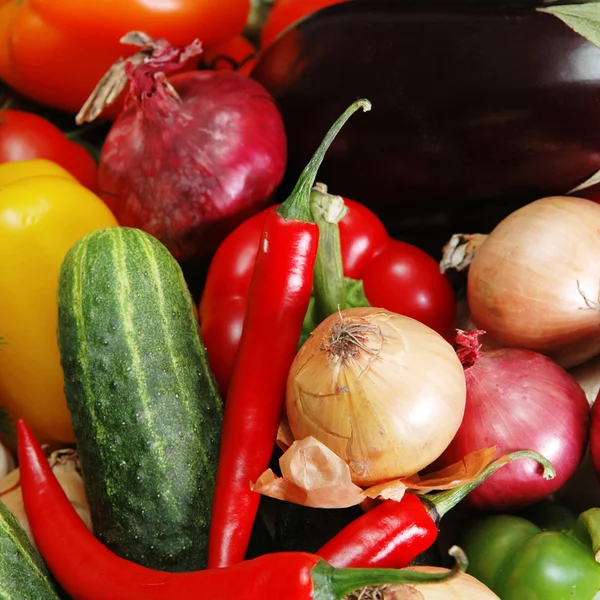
65, 466
534, 283
461, 587
587, 376
7, 462
382, 391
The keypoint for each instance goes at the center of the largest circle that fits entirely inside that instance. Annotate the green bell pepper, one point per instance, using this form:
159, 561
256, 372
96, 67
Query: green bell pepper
518, 560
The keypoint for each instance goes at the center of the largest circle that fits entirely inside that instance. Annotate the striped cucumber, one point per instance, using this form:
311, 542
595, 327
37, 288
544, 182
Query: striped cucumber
23, 574
145, 408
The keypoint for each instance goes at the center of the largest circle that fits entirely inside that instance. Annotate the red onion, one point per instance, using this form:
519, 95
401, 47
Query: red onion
518, 400
595, 436
189, 158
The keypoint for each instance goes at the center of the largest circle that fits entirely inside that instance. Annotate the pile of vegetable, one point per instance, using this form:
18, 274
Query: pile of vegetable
217, 384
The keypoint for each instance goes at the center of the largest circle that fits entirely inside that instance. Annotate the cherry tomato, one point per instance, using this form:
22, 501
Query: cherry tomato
237, 54
396, 276
24, 136
406, 280
285, 13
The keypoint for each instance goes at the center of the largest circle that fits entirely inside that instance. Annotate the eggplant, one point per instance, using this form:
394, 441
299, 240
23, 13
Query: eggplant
478, 107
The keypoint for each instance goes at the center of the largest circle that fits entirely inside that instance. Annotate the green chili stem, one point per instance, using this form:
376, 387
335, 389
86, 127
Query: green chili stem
329, 286
297, 205
335, 584
445, 501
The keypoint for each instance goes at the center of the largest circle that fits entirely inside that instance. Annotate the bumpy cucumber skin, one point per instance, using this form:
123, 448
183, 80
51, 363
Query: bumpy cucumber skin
144, 404
23, 574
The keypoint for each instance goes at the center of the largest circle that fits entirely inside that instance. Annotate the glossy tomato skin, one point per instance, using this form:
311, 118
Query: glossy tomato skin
56, 51
421, 291
396, 276
223, 303
25, 135
237, 54
362, 235
285, 13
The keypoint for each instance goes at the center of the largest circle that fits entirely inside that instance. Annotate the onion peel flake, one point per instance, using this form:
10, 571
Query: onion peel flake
312, 475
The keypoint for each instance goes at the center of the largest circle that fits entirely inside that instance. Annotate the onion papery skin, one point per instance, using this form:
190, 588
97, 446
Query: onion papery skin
188, 172
520, 400
535, 281
461, 587
388, 413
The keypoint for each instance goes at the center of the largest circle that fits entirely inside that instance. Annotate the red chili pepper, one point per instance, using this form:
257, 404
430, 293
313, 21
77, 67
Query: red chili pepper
88, 570
390, 534
395, 275
278, 298
393, 534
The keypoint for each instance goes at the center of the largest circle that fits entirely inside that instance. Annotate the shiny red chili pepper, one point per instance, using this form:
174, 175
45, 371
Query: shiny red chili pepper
393, 534
88, 570
278, 298
390, 534
395, 275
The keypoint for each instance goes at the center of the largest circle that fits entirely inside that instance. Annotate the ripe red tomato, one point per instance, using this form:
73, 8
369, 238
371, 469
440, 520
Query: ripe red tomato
56, 51
285, 13
406, 280
237, 54
25, 135
397, 276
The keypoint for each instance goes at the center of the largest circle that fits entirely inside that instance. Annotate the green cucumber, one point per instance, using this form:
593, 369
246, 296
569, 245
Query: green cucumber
144, 404
23, 574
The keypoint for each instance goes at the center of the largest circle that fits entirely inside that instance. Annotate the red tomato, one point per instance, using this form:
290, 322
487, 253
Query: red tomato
285, 13
56, 51
406, 280
25, 135
237, 54
396, 276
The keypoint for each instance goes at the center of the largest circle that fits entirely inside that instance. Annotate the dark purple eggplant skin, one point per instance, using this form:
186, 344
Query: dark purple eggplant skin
478, 108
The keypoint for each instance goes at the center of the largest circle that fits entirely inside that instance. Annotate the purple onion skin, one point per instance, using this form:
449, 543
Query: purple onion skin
520, 400
189, 172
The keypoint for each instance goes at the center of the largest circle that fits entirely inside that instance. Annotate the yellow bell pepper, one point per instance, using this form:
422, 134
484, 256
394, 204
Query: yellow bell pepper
43, 212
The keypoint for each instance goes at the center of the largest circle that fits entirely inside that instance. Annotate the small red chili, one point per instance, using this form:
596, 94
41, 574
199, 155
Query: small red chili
395, 275
277, 300
390, 534
88, 570
393, 534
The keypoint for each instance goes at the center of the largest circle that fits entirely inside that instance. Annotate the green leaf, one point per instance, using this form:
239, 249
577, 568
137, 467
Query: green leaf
355, 296
582, 18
